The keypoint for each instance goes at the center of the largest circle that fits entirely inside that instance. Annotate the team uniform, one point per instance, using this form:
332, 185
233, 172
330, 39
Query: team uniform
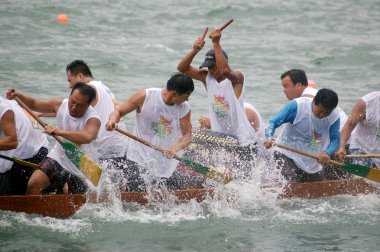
57, 166
305, 132
365, 138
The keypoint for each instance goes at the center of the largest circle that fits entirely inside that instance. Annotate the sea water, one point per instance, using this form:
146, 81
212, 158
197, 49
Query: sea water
132, 45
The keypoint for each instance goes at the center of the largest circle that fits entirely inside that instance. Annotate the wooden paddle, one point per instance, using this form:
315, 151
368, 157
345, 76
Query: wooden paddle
209, 172
204, 33
359, 170
84, 163
20, 161
364, 156
226, 24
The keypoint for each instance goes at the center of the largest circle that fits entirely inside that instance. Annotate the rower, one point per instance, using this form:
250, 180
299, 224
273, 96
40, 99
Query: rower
110, 145
163, 119
8, 144
311, 126
32, 147
77, 122
225, 89
363, 126
295, 84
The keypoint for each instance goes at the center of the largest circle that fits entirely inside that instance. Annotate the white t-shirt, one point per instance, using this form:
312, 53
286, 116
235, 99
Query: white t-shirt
30, 139
108, 143
226, 111
5, 165
307, 133
366, 134
159, 124
261, 132
67, 122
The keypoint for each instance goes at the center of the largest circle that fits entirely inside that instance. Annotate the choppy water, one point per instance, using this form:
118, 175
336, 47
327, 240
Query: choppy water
131, 45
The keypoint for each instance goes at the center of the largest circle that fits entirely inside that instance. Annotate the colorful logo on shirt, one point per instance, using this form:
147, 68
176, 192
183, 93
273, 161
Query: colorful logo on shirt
220, 106
315, 141
378, 134
161, 129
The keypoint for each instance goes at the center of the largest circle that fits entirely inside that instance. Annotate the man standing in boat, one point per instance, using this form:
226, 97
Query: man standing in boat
363, 126
108, 144
163, 119
77, 122
32, 147
225, 90
311, 126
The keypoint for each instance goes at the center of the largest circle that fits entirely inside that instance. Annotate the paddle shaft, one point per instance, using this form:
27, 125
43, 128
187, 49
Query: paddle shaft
226, 24
204, 33
43, 124
22, 162
364, 156
305, 153
138, 139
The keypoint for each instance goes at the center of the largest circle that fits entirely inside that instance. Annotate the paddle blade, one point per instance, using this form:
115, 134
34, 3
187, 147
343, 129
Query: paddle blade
83, 162
210, 173
363, 171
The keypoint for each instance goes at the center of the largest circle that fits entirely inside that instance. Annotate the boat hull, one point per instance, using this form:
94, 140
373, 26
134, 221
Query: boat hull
64, 206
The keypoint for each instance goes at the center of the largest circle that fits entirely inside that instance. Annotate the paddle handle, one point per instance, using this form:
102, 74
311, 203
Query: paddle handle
364, 156
138, 139
22, 162
304, 153
204, 33
32, 114
226, 24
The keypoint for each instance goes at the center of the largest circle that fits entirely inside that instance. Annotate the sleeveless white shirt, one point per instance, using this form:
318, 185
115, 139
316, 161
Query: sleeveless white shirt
261, 132
366, 135
226, 111
307, 133
30, 139
108, 143
159, 124
5, 165
67, 122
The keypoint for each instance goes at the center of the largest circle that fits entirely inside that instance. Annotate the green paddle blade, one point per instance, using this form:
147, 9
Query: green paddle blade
196, 166
211, 173
83, 162
363, 171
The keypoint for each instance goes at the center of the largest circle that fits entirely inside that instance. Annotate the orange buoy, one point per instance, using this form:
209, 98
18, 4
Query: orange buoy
62, 18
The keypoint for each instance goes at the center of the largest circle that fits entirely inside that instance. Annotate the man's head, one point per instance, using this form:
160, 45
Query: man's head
210, 58
294, 82
77, 71
325, 101
181, 86
80, 99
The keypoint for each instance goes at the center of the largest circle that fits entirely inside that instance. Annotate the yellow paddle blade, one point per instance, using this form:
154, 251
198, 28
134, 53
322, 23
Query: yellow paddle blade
90, 169
219, 176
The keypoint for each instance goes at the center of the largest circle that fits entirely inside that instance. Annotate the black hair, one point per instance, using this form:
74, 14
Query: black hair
327, 98
180, 83
296, 76
85, 90
79, 66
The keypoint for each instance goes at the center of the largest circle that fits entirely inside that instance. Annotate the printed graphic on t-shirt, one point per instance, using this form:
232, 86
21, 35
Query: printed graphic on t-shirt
378, 134
315, 141
162, 128
220, 106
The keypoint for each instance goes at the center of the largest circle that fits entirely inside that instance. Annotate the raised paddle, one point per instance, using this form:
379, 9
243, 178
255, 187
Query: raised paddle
364, 156
204, 33
359, 170
20, 161
209, 172
82, 161
226, 24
